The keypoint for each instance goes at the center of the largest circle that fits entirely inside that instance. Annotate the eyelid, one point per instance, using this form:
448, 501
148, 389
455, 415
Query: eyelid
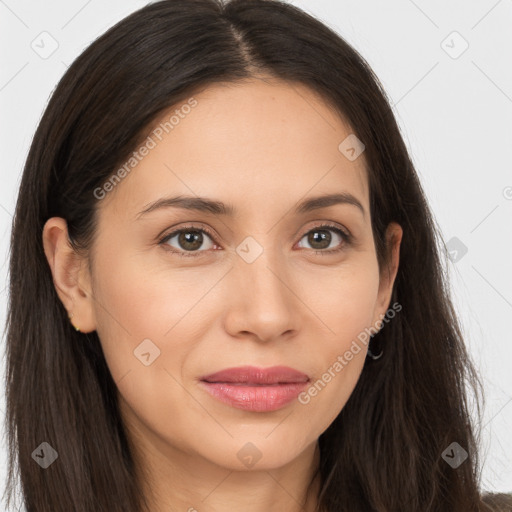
331, 225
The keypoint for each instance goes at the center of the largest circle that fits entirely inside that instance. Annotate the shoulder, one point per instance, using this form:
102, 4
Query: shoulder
498, 502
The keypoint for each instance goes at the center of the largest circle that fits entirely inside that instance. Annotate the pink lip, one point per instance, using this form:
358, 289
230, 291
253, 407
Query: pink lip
256, 389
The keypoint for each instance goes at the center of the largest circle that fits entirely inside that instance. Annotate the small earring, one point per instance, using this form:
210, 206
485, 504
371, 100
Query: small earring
374, 357
76, 328
371, 354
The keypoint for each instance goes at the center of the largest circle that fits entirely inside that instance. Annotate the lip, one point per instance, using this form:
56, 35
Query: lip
256, 389
255, 375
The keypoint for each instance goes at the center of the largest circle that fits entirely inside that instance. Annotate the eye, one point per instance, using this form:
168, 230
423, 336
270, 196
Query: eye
320, 239
193, 241
188, 240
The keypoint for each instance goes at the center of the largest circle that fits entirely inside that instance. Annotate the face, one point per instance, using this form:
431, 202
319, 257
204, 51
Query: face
180, 293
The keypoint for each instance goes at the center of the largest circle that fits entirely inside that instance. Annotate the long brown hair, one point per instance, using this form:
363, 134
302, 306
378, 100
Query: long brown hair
384, 452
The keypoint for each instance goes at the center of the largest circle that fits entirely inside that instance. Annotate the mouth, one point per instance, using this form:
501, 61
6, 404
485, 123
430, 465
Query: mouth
256, 389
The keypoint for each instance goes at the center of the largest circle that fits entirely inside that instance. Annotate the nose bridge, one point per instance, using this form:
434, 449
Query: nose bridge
258, 267
263, 302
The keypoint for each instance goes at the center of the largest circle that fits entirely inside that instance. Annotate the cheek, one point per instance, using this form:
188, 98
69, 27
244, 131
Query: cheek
344, 300
144, 341
149, 321
346, 307
142, 300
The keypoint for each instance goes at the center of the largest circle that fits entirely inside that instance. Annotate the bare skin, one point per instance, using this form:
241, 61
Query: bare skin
262, 147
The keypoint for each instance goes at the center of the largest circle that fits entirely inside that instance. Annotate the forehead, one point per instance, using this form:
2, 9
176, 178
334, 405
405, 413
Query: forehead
259, 142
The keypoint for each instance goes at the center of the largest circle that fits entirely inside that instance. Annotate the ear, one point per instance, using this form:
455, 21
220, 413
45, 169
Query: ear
70, 274
388, 273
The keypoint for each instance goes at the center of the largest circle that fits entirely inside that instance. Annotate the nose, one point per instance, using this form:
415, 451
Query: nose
263, 301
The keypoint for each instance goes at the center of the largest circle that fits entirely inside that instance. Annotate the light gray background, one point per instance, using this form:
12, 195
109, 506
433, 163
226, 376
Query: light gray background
455, 112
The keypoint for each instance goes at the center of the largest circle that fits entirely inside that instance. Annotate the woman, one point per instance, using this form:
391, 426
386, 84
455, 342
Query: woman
225, 290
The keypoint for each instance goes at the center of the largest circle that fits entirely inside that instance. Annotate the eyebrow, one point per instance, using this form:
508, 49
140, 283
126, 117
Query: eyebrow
206, 205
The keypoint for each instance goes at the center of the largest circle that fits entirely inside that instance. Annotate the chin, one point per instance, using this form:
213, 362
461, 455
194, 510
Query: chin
259, 453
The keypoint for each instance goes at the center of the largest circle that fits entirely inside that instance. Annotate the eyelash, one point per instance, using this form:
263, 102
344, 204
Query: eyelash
347, 239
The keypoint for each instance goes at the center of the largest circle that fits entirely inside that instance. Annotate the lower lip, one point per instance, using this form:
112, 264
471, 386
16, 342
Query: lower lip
255, 398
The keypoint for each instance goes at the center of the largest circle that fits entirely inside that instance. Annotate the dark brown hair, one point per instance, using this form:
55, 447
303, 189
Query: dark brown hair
384, 450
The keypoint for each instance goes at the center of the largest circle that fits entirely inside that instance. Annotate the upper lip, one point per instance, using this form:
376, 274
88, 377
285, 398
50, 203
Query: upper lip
255, 375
